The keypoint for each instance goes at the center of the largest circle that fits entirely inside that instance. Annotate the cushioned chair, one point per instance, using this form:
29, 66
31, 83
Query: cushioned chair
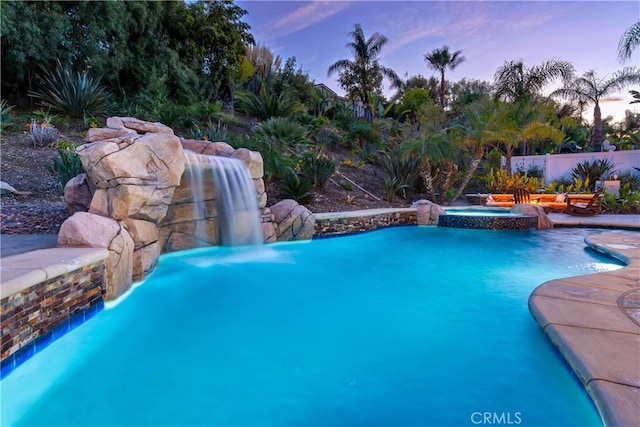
521, 195
594, 206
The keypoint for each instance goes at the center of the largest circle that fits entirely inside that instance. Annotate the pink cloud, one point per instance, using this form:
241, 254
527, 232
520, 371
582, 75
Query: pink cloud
307, 15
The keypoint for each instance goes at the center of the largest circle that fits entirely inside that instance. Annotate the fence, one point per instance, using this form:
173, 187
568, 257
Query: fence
557, 166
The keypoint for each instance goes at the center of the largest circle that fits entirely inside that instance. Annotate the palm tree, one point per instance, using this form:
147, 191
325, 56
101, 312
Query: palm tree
483, 122
516, 82
629, 41
440, 60
362, 76
590, 88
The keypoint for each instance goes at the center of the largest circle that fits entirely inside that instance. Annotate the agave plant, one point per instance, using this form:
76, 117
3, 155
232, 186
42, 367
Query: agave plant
74, 94
68, 165
213, 133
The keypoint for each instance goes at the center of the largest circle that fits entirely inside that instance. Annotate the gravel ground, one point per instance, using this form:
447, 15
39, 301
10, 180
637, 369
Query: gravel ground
42, 218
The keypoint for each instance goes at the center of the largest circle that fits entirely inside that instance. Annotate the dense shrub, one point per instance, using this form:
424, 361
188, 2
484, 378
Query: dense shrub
283, 134
633, 179
499, 181
267, 105
628, 202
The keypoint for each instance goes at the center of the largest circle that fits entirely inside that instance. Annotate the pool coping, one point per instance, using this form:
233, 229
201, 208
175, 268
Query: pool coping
594, 322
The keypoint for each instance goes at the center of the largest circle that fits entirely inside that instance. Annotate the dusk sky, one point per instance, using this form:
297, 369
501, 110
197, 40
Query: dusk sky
585, 33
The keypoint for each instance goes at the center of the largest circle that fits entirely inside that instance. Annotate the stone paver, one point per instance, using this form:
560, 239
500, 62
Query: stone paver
617, 403
594, 321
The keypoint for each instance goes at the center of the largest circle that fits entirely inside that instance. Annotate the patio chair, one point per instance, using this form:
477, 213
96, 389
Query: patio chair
594, 206
521, 195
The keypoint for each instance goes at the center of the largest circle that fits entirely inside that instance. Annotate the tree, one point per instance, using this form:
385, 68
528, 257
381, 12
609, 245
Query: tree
440, 60
629, 42
483, 122
589, 87
145, 51
363, 76
515, 82
464, 92
33, 35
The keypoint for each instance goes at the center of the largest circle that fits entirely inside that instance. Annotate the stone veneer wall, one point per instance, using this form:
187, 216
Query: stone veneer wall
360, 221
489, 222
31, 317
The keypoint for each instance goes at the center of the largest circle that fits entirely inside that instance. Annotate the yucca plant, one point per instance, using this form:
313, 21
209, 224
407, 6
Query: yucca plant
297, 188
75, 94
68, 165
317, 168
404, 169
393, 187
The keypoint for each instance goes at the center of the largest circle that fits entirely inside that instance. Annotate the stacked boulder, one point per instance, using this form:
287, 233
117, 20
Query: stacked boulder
135, 199
132, 170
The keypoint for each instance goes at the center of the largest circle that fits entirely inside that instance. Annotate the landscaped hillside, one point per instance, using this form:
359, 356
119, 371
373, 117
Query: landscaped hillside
195, 67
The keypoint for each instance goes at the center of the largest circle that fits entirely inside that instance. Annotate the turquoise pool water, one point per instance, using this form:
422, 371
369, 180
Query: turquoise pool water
403, 326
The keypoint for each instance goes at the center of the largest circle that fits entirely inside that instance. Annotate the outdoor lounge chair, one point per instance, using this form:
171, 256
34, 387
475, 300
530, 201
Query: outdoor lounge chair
521, 195
594, 206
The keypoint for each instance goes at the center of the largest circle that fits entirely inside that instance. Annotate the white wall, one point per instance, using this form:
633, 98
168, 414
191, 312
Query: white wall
556, 166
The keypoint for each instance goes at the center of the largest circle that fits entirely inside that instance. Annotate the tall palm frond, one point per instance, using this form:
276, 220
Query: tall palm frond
514, 81
629, 41
592, 89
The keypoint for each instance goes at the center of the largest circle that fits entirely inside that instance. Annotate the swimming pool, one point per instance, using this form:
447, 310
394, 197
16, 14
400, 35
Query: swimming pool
402, 326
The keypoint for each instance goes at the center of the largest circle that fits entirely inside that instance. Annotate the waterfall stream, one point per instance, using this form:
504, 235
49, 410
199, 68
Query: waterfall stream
236, 205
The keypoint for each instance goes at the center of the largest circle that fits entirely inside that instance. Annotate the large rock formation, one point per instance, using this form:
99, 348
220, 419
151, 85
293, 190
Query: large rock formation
78, 194
293, 221
84, 229
544, 222
131, 168
135, 188
427, 212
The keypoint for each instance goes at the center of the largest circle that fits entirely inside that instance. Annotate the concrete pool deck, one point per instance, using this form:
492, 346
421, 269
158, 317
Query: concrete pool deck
593, 320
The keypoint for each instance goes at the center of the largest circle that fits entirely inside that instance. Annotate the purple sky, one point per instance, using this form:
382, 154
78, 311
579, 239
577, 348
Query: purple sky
586, 33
